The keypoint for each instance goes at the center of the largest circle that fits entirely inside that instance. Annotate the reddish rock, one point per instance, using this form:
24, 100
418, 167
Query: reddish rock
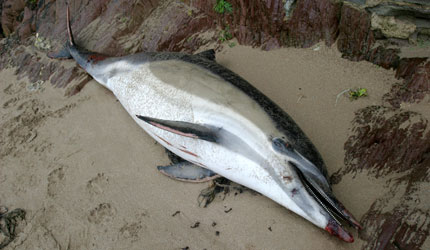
64, 76
173, 29
416, 84
1, 29
355, 36
28, 25
386, 58
386, 141
356, 40
313, 21
385, 145
263, 22
11, 15
251, 22
79, 86
407, 66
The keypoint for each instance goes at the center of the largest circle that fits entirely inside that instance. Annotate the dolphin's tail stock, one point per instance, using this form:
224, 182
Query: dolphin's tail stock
83, 57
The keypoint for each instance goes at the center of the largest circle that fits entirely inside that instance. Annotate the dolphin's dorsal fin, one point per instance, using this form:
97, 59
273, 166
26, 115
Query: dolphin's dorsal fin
186, 129
208, 54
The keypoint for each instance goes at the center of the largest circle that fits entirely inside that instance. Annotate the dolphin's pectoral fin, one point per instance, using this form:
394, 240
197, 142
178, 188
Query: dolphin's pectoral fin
208, 54
186, 129
62, 54
187, 171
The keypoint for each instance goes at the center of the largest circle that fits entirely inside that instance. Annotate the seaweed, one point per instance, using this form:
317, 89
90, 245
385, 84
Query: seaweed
8, 224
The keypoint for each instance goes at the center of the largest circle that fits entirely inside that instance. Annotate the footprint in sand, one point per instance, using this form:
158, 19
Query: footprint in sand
10, 103
131, 231
97, 184
103, 213
14, 88
56, 181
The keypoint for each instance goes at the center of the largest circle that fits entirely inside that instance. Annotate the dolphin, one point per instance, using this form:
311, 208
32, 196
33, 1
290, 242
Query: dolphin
221, 125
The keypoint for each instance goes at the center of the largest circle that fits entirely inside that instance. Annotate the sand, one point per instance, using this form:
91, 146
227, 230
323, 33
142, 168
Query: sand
85, 171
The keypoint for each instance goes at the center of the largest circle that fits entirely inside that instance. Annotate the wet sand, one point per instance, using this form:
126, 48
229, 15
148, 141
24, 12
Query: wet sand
85, 171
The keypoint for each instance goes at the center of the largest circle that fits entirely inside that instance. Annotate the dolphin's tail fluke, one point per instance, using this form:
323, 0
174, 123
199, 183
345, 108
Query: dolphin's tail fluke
64, 53
69, 29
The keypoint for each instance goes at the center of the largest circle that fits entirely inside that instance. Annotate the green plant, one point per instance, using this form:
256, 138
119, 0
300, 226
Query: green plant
32, 4
354, 94
223, 6
225, 34
423, 44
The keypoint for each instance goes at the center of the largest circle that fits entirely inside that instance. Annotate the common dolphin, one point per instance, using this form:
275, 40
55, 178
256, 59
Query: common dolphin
221, 125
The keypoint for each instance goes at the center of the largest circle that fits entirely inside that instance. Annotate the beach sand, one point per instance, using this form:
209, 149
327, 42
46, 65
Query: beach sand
86, 174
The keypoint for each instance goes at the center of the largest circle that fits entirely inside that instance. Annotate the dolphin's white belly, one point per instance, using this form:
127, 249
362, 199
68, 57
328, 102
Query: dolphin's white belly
180, 91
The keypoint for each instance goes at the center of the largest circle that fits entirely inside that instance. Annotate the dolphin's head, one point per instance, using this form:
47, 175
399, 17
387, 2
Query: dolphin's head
309, 190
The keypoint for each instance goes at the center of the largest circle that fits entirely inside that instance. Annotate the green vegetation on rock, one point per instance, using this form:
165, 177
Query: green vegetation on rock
225, 34
223, 6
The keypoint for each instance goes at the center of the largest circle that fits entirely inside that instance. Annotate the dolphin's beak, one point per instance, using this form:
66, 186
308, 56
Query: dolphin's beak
336, 212
317, 186
337, 230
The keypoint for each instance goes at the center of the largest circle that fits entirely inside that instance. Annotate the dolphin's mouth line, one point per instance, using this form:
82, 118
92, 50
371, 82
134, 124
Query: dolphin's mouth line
334, 225
322, 199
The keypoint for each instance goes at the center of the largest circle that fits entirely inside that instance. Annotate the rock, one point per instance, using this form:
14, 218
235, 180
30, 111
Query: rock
312, 21
1, 29
27, 25
356, 38
395, 144
403, 9
357, 2
251, 22
419, 2
170, 26
288, 7
416, 72
393, 27
386, 58
11, 16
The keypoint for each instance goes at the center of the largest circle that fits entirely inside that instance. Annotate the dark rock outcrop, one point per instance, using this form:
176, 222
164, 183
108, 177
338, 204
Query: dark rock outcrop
391, 142
12, 15
393, 9
313, 21
251, 22
356, 39
1, 29
263, 22
416, 84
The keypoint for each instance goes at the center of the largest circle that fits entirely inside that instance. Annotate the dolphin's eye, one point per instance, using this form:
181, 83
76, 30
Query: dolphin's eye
281, 146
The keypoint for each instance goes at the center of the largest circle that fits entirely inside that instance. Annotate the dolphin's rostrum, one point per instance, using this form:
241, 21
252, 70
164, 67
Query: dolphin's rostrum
216, 120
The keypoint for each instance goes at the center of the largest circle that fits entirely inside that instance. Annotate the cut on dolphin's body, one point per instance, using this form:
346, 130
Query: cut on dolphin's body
216, 120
